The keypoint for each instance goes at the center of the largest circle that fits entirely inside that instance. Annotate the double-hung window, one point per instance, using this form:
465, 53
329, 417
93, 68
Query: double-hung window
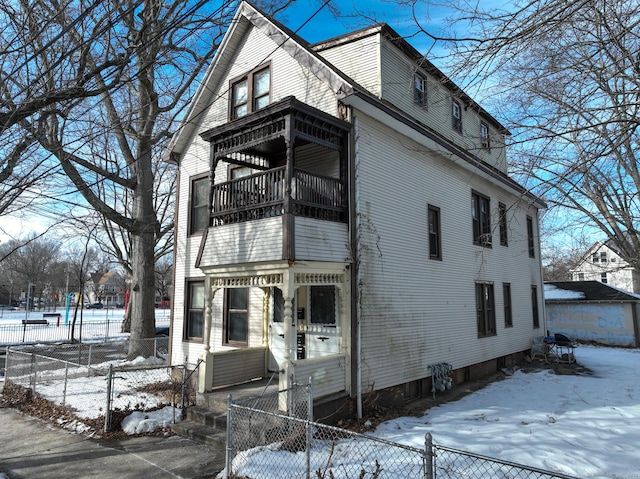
485, 142
236, 316
502, 219
195, 310
435, 247
506, 298
481, 219
530, 238
534, 307
419, 90
485, 309
456, 116
199, 207
250, 93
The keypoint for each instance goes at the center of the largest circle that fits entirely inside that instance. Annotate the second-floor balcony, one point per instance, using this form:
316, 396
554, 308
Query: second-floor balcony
262, 195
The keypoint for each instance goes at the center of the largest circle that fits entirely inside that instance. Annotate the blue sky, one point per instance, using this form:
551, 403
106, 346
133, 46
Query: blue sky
358, 14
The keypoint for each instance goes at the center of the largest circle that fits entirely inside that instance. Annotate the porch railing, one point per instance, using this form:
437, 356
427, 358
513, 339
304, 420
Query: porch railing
261, 195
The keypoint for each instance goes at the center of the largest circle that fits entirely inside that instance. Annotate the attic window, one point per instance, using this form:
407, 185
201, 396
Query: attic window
250, 93
484, 136
595, 257
419, 90
456, 116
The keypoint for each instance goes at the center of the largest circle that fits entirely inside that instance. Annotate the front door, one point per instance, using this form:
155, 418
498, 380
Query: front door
322, 331
276, 331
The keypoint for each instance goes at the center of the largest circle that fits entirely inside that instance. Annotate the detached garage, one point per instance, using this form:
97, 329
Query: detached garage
593, 311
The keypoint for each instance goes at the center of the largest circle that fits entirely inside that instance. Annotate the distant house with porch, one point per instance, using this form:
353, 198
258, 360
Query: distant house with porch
593, 311
602, 262
344, 213
106, 288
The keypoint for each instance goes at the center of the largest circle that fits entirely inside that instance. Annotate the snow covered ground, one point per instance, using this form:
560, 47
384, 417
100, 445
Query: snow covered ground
586, 426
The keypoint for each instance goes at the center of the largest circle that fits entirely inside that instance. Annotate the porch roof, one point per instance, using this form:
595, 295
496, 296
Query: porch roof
264, 133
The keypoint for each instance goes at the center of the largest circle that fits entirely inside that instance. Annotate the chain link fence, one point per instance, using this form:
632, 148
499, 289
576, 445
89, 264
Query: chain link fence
274, 436
95, 384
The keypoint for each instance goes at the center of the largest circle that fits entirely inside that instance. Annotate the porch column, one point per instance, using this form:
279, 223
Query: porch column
288, 292
205, 373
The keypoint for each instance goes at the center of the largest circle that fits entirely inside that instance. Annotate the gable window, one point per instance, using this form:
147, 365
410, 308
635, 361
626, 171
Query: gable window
481, 218
250, 93
236, 316
595, 257
530, 242
419, 89
456, 116
199, 207
435, 250
534, 307
484, 136
603, 256
485, 310
580, 276
502, 213
195, 310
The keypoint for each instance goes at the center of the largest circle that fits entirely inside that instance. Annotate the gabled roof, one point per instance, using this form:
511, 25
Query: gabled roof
247, 16
589, 291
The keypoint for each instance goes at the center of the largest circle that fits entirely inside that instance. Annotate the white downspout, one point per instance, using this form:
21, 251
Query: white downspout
356, 134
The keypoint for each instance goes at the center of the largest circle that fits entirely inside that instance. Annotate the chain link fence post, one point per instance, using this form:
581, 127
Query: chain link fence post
228, 451
34, 367
309, 425
107, 412
428, 459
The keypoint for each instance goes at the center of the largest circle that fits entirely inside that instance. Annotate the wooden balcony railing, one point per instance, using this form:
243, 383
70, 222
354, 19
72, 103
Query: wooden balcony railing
262, 195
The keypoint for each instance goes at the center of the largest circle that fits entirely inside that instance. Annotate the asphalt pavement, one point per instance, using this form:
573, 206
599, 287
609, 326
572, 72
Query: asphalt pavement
33, 448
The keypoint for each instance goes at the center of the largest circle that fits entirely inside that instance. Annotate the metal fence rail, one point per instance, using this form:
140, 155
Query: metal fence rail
94, 383
278, 442
453, 463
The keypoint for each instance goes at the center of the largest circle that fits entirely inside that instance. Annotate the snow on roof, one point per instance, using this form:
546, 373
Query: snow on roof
553, 292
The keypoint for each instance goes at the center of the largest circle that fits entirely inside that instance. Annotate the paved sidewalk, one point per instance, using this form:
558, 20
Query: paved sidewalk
34, 449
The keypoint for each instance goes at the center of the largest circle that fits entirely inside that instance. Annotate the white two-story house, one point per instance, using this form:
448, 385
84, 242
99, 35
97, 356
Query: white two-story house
344, 213
602, 262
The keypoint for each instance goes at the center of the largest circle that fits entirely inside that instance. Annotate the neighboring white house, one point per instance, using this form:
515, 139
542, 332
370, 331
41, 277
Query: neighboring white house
344, 212
593, 311
603, 263
106, 288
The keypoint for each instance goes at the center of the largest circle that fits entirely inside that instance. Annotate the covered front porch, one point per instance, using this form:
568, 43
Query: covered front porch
304, 325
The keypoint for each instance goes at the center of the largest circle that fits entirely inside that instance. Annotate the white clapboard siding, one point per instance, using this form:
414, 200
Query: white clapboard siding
318, 240
238, 365
328, 374
419, 310
360, 60
237, 243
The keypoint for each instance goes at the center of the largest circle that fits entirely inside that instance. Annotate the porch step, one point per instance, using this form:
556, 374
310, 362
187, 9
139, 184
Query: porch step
213, 418
203, 425
200, 433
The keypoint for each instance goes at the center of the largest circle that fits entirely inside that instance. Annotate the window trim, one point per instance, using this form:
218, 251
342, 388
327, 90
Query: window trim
456, 121
531, 245
485, 309
420, 94
502, 222
225, 319
192, 207
249, 77
188, 309
485, 136
480, 225
437, 255
507, 305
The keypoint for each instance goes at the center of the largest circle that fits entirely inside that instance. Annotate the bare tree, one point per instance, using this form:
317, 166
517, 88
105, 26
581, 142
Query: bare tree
29, 264
569, 75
